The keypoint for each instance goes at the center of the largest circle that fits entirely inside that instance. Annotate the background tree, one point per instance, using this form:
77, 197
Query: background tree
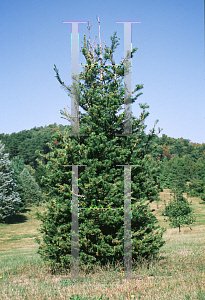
33, 194
40, 172
9, 197
173, 174
17, 164
179, 212
31, 170
101, 183
196, 187
26, 142
166, 152
164, 174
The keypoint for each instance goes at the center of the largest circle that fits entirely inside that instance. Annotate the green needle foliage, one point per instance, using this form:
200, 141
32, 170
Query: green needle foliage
179, 212
17, 164
32, 191
10, 200
101, 182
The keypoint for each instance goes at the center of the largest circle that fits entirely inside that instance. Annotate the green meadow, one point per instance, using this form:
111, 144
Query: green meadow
177, 273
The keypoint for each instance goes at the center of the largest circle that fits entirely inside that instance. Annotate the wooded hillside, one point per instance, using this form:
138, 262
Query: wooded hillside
182, 162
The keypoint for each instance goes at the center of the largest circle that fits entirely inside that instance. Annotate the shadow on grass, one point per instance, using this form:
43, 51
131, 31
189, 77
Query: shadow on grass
18, 218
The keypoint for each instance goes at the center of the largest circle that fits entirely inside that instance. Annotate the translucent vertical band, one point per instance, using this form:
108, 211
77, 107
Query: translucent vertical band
127, 223
74, 224
74, 71
74, 76
75, 131
127, 78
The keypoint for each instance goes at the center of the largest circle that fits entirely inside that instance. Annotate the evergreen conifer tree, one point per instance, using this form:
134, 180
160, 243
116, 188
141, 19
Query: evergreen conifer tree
179, 212
164, 176
9, 197
101, 182
178, 176
17, 164
33, 194
173, 174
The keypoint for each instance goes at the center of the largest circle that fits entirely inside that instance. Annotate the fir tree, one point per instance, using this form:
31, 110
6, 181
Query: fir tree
178, 178
10, 200
101, 183
164, 176
179, 212
33, 194
17, 164
40, 171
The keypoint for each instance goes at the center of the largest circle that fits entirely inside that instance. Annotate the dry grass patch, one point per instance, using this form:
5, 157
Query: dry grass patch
177, 274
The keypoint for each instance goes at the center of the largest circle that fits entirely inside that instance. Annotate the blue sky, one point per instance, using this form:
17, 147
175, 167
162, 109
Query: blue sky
169, 60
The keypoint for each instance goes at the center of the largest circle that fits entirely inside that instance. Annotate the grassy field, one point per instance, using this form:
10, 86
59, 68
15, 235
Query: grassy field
178, 273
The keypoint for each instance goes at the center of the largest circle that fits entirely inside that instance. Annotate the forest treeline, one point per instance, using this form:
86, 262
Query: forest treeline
182, 163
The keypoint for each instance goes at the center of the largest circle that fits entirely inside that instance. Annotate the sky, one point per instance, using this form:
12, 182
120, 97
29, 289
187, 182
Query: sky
169, 61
